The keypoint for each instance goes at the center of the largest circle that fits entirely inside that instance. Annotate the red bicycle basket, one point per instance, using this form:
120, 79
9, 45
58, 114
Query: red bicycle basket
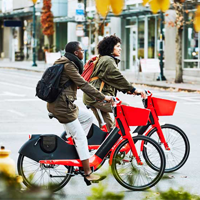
135, 116
163, 107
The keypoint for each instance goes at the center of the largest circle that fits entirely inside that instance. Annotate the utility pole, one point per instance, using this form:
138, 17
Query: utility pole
85, 28
161, 77
34, 30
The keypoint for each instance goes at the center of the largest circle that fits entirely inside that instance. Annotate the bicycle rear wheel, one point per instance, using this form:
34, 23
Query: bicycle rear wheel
34, 174
178, 143
138, 177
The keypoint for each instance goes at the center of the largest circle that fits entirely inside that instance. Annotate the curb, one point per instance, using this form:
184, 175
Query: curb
22, 69
178, 89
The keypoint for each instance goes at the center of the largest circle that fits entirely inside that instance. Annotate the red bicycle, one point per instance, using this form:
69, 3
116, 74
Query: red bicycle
49, 161
171, 138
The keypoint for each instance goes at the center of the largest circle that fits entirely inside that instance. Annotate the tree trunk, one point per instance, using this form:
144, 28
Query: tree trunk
50, 41
179, 70
96, 32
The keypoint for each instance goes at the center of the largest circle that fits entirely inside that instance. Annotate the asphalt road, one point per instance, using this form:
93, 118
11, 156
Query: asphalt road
21, 114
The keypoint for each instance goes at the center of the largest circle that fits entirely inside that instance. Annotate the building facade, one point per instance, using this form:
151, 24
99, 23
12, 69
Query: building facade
137, 27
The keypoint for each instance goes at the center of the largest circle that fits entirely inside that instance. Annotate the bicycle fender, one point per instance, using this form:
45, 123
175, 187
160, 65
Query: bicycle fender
113, 151
32, 149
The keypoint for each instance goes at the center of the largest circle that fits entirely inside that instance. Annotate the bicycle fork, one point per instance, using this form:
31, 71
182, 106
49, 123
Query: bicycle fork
155, 123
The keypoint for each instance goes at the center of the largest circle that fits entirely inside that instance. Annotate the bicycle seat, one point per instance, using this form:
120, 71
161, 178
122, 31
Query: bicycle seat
51, 116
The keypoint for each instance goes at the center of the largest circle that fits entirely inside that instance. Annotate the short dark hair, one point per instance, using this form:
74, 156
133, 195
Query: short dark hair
106, 46
71, 47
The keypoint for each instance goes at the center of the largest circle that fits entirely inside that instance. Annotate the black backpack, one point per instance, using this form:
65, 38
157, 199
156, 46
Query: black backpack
48, 88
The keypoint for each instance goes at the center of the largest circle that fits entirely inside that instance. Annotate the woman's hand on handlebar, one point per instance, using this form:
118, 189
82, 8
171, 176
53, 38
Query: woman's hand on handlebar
141, 92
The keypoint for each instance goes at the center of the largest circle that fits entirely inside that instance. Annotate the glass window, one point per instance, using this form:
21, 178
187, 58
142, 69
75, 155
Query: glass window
191, 65
141, 38
191, 44
151, 37
128, 21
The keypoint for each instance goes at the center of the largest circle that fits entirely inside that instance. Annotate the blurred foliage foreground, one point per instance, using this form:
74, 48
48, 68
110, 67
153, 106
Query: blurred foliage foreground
10, 188
100, 192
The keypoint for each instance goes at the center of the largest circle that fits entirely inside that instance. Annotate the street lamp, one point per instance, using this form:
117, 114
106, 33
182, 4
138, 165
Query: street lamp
34, 42
161, 77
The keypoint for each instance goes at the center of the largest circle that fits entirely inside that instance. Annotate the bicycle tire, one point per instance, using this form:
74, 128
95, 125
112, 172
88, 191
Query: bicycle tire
178, 143
30, 175
137, 171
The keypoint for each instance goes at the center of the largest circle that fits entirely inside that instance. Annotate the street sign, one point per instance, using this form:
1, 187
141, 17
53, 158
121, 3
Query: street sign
79, 30
12, 23
79, 17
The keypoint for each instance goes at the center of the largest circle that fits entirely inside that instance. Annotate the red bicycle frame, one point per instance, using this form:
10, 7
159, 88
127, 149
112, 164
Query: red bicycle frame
111, 142
164, 108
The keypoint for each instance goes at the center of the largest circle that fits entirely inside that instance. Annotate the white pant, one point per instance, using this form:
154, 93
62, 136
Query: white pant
79, 129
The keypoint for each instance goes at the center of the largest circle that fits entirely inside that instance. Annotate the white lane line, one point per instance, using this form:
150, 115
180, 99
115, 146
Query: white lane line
17, 113
184, 114
191, 103
28, 133
36, 99
18, 75
12, 94
19, 86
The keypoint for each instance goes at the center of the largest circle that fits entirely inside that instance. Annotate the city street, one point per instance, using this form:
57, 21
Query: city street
21, 114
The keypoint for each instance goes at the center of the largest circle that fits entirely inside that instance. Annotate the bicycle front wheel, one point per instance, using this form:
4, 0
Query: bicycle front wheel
129, 173
34, 174
178, 143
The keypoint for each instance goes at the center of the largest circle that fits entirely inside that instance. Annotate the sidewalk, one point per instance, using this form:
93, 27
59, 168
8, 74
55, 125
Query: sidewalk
191, 84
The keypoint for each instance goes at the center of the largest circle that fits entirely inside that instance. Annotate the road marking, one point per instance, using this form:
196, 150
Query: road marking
17, 113
184, 114
36, 99
28, 133
20, 86
12, 94
20, 75
189, 103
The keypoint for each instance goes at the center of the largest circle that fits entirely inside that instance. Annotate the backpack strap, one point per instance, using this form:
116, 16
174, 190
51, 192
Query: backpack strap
102, 83
67, 84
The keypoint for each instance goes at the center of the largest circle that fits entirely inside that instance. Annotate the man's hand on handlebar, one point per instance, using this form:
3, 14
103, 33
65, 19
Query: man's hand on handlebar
109, 99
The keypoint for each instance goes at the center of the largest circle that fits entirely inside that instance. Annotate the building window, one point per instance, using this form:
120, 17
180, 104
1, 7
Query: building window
191, 46
151, 37
141, 38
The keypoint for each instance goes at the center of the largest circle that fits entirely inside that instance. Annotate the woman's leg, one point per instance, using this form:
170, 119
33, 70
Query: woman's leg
105, 110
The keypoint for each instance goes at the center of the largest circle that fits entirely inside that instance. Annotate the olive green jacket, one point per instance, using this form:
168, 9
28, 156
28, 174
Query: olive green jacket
107, 71
64, 108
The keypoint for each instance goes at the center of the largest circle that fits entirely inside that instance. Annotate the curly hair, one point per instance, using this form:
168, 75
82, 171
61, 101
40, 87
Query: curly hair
106, 46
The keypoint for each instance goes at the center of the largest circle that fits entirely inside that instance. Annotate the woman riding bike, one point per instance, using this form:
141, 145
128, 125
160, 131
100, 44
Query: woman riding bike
107, 78
76, 121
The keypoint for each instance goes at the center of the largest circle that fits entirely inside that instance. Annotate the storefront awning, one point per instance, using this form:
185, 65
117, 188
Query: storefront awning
19, 13
64, 19
137, 11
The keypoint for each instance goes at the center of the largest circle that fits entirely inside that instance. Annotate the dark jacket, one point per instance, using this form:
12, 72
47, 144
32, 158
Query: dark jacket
64, 108
107, 71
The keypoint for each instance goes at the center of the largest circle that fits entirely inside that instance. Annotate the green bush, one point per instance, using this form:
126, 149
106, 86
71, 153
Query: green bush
172, 194
10, 188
